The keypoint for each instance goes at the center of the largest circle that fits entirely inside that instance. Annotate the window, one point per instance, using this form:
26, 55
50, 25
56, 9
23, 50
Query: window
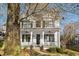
47, 24
26, 38
23, 37
27, 24
38, 23
49, 37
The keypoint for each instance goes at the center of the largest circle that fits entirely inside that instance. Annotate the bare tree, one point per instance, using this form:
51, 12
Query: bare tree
33, 8
12, 35
69, 32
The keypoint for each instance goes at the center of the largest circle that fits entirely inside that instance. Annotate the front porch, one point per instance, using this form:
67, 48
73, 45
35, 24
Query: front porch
38, 39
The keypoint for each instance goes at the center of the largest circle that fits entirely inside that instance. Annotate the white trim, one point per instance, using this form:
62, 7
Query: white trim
41, 24
55, 35
57, 39
43, 37
34, 24
31, 38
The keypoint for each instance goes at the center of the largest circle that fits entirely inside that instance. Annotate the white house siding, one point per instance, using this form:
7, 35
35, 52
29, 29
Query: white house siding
57, 24
42, 31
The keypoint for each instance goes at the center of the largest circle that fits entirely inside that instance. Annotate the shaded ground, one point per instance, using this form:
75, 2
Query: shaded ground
36, 52
66, 52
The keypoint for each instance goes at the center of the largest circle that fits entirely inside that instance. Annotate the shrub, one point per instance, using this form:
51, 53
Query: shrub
55, 49
59, 50
52, 49
1, 43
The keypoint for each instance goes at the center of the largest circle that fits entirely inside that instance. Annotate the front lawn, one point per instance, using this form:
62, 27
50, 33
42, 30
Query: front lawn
61, 51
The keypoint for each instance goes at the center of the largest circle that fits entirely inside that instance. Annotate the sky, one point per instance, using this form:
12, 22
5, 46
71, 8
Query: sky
71, 16
3, 14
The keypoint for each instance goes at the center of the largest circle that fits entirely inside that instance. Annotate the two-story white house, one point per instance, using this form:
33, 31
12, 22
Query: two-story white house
44, 32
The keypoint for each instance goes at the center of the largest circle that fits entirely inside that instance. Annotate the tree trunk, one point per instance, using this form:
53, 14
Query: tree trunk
12, 41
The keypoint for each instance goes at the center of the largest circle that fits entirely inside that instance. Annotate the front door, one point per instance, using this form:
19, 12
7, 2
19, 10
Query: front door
38, 39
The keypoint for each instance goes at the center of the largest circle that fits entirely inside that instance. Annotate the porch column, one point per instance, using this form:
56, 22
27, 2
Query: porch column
21, 38
21, 25
34, 24
55, 35
41, 24
42, 41
31, 39
57, 39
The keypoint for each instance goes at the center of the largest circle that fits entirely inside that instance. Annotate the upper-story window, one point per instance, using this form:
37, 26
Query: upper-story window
38, 23
27, 24
48, 24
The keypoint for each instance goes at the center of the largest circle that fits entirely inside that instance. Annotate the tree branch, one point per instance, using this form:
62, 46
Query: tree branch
34, 11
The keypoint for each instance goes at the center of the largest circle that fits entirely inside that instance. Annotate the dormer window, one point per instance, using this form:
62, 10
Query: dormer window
27, 24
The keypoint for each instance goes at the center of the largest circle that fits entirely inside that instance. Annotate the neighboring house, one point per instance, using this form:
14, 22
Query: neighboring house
1, 35
44, 32
4, 28
77, 39
2, 32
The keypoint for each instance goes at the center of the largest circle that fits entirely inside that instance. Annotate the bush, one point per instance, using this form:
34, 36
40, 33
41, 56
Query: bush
59, 50
52, 49
55, 49
1, 43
